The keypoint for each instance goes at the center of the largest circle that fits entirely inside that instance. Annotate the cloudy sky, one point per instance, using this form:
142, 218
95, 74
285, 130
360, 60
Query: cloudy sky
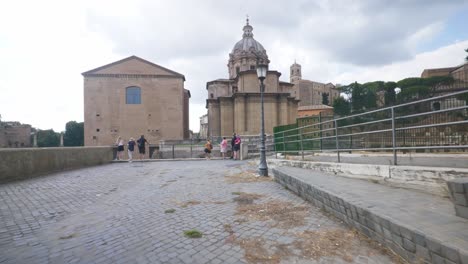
46, 45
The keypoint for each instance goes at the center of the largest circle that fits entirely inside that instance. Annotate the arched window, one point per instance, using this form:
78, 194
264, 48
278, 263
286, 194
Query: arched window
133, 95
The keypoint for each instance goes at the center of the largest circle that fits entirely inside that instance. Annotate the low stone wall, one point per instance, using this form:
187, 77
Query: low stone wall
425, 179
459, 195
17, 164
409, 243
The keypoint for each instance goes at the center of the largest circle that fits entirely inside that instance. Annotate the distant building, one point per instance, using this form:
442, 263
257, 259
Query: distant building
459, 74
234, 104
314, 110
134, 97
311, 93
15, 135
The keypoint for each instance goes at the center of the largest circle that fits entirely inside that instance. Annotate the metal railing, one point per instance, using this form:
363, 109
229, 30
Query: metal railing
435, 123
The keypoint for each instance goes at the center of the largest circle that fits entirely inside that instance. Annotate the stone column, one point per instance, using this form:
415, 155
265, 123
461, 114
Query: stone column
35, 140
61, 139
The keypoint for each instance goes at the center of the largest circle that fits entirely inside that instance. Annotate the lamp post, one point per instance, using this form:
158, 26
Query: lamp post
261, 73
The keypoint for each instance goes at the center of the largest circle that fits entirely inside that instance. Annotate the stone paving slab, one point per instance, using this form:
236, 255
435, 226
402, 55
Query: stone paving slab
120, 213
400, 218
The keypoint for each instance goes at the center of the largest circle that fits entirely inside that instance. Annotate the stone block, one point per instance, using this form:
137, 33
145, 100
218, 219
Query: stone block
450, 253
434, 245
436, 259
408, 245
387, 233
395, 228
463, 256
459, 185
422, 253
406, 233
397, 239
419, 239
461, 211
460, 199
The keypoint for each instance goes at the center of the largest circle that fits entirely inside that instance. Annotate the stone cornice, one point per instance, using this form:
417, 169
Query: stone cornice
150, 76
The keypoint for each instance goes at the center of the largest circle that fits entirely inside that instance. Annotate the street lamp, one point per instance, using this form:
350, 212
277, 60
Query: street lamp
261, 73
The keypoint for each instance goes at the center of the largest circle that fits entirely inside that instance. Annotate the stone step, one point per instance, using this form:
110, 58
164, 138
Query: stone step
417, 226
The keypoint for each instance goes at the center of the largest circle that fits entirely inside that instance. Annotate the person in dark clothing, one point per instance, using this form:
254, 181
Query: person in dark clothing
141, 146
233, 141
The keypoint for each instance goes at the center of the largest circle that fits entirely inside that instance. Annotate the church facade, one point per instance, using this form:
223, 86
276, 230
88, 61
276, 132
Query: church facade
134, 97
234, 103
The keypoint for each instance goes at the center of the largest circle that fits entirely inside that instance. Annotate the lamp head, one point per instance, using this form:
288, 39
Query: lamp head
262, 71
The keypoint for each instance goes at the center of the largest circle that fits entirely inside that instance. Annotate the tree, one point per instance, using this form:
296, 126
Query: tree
419, 88
390, 94
466, 58
341, 107
325, 98
48, 138
74, 134
363, 96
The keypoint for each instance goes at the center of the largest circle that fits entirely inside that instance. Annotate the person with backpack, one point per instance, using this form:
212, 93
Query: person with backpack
141, 146
233, 140
236, 149
208, 148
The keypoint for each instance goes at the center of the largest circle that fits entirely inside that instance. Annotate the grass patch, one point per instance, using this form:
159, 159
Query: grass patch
236, 193
193, 233
169, 211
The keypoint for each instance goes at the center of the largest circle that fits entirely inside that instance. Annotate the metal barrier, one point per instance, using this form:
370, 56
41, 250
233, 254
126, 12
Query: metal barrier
435, 123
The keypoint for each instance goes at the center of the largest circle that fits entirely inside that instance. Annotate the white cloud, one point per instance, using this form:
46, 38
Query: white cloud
44, 48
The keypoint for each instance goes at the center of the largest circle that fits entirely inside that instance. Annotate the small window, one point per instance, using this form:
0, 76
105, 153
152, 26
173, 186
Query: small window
133, 95
252, 67
97, 130
98, 115
212, 96
237, 70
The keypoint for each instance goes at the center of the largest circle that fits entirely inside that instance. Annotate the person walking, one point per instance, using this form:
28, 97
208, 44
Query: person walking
120, 148
223, 146
237, 144
141, 146
208, 148
233, 140
131, 147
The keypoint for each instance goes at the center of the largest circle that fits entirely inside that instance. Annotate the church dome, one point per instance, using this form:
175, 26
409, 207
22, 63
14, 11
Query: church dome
248, 44
246, 54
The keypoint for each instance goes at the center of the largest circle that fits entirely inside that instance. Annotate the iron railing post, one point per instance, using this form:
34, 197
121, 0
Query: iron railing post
284, 145
394, 137
302, 146
337, 141
173, 154
191, 148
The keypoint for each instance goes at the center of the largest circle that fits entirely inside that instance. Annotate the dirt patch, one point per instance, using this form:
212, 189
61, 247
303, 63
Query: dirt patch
282, 214
255, 251
246, 198
245, 177
327, 243
342, 243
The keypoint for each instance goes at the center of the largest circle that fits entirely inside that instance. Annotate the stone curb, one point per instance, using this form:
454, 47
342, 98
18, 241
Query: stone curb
430, 180
410, 243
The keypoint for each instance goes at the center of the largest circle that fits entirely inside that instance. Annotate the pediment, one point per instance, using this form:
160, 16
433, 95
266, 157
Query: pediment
133, 66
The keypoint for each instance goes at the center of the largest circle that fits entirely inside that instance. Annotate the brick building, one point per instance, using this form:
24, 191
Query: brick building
134, 97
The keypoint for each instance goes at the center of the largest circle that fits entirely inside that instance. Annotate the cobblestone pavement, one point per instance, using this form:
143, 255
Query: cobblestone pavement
138, 212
